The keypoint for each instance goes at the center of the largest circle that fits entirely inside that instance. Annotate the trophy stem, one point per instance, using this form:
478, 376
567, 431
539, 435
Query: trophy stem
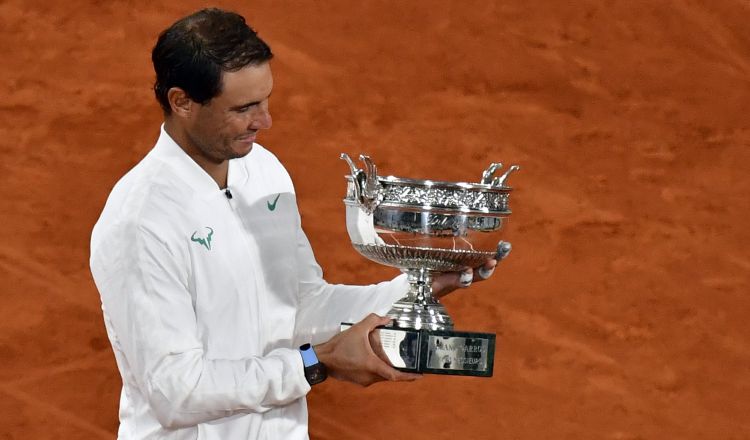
419, 309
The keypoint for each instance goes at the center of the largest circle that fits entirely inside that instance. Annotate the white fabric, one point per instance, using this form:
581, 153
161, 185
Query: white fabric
205, 331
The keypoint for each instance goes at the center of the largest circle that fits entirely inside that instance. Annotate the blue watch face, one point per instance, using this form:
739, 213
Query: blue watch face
308, 355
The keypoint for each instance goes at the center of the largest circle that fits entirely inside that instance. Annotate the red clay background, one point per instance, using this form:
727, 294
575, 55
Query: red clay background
622, 312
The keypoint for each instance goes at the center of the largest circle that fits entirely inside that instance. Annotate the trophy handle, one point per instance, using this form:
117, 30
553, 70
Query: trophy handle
367, 188
349, 161
487, 174
356, 177
500, 181
497, 181
371, 188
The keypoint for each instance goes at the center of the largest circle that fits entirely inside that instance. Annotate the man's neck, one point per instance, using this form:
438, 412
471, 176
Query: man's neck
217, 170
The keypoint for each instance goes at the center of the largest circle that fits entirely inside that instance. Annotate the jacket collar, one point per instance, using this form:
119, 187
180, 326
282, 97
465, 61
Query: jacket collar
195, 177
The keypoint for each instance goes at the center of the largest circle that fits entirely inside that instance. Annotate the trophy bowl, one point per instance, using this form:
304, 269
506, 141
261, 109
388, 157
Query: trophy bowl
425, 227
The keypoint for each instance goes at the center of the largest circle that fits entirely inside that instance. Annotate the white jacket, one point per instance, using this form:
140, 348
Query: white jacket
207, 298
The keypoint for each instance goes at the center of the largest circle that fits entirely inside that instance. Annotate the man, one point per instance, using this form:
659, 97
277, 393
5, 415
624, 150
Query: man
208, 283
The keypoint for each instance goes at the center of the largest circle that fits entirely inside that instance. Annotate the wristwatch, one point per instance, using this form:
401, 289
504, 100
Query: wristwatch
315, 371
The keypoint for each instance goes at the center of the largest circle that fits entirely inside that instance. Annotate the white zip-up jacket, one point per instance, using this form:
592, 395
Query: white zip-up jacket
206, 298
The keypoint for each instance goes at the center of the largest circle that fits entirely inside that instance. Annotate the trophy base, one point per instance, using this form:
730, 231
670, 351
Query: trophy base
436, 351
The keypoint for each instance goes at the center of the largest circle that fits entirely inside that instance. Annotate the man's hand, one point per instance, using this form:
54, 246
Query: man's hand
349, 356
448, 282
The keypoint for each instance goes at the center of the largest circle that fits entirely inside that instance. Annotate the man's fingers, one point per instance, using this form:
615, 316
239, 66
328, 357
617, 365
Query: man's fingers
486, 271
372, 321
503, 249
356, 355
406, 377
453, 280
392, 374
465, 277
448, 282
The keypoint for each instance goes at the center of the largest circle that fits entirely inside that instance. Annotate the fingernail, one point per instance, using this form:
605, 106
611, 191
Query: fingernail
503, 249
466, 277
485, 273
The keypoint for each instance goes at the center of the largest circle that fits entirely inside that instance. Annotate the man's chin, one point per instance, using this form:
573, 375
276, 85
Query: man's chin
242, 148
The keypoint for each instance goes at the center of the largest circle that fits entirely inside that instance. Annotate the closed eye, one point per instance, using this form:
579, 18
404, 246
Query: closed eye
245, 107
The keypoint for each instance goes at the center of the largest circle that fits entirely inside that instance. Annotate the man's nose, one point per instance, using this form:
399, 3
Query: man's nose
261, 120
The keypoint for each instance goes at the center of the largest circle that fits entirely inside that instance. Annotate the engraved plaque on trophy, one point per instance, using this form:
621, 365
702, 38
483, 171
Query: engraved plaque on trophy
426, 227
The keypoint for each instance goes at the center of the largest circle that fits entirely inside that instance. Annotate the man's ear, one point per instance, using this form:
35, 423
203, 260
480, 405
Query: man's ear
180, 102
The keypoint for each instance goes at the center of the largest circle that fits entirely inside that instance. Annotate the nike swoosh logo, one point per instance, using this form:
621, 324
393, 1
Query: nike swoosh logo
272, 206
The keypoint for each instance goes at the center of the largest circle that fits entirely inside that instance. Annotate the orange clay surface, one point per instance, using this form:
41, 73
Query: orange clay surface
623, 311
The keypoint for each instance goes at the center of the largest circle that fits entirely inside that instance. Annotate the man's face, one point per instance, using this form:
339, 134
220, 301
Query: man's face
225, 127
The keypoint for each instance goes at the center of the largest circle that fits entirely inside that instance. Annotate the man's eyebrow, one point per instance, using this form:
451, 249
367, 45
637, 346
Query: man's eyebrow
249, 104
244, 106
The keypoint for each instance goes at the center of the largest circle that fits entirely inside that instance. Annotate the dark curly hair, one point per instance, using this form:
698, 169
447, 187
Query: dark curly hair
193, 53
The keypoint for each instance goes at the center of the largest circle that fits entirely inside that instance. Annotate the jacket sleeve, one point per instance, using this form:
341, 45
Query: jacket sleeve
144, 288
323, 307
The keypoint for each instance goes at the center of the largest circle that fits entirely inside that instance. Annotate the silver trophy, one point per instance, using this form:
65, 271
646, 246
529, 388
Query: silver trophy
426, 227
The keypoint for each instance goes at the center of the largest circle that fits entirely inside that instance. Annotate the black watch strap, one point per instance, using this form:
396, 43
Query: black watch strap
315, 371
